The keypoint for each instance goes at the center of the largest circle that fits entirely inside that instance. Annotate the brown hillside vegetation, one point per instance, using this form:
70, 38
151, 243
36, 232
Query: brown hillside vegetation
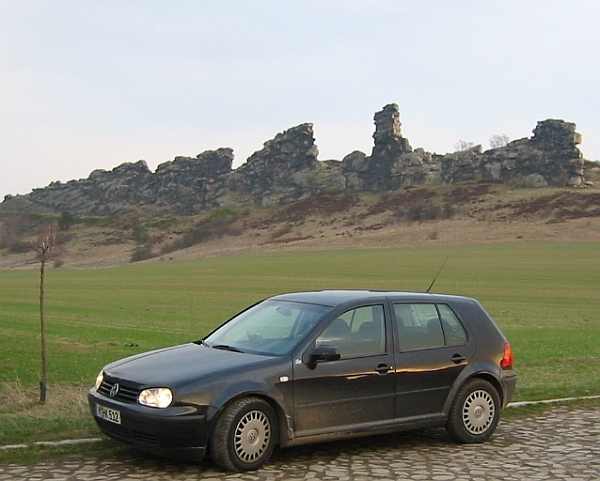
466, 213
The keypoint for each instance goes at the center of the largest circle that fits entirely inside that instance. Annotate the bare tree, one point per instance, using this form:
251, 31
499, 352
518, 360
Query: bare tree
463, 145
44, 247
497, 141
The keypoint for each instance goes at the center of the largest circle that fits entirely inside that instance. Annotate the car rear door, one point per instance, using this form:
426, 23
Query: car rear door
432, 348
356, 390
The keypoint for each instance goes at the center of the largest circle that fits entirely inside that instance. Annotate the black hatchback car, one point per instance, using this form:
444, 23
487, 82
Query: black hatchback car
313, 366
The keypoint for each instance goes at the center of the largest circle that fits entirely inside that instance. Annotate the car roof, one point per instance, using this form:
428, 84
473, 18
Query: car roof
334, 297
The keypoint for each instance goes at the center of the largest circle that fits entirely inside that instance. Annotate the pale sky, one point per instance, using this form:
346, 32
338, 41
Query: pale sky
91, 84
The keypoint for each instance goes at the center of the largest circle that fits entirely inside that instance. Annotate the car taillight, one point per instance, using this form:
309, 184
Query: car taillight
507, 357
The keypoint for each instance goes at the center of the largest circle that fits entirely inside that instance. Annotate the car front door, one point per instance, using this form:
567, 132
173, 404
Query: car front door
432, 350
354, 391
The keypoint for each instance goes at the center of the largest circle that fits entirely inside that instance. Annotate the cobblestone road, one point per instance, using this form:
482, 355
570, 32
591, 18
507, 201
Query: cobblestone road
559, 445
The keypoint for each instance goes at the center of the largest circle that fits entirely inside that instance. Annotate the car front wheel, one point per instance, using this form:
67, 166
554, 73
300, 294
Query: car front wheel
475, 412
245, 435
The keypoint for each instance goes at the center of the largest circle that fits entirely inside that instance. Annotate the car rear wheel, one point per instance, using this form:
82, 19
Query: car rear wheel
245, 435
475, 412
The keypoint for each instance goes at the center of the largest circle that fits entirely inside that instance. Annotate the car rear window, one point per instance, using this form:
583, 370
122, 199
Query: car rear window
426, 326
453, 329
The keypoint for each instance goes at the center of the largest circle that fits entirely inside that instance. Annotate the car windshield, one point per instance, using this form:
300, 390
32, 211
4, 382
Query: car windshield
271, 328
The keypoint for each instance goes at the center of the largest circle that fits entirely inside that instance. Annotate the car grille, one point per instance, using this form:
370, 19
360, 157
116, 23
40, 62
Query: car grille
124, 394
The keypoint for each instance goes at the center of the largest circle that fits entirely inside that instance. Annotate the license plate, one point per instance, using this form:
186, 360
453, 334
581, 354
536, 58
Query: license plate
108, 414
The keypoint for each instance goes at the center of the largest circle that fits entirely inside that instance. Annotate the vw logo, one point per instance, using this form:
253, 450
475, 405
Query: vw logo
114, 390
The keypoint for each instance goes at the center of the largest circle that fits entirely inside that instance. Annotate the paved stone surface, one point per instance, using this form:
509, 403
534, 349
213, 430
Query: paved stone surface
559, 445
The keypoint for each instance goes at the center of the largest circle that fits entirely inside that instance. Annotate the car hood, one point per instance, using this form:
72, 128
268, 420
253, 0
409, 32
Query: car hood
181, 364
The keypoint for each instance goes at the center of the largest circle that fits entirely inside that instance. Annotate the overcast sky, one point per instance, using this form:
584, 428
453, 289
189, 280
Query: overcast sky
91, 84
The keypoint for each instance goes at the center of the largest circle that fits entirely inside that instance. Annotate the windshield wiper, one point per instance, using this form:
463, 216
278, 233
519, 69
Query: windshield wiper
225, 347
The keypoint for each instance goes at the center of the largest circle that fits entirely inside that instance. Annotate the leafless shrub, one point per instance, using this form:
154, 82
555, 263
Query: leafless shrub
499, 140
463, 145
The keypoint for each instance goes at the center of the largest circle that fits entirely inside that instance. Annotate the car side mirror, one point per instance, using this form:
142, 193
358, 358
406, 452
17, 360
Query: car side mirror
322, 354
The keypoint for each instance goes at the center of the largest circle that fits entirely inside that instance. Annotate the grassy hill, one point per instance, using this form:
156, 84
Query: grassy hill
426, 215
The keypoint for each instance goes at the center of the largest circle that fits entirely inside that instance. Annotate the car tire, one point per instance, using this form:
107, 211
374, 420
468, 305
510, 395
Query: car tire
475, 412
245, 435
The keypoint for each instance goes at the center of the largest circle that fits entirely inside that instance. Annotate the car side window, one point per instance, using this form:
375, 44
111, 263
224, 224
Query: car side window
453, 329
357, 332
419, 326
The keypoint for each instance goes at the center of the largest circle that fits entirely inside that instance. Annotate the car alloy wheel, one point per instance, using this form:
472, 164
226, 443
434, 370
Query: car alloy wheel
478, 412
252, 436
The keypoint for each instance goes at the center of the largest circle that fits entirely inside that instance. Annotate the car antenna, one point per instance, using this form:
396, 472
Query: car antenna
435, 278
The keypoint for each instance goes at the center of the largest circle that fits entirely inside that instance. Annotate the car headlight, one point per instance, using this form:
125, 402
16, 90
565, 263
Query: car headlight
158, 397
99, 379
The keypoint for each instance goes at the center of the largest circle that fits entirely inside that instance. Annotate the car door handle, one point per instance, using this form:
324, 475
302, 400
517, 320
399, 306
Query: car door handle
383, 369
458, 358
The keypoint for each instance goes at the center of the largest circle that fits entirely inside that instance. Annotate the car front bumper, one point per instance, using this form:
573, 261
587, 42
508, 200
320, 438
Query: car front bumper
174, 431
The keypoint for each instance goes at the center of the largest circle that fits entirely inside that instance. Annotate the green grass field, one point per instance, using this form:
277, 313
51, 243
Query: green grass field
544, 295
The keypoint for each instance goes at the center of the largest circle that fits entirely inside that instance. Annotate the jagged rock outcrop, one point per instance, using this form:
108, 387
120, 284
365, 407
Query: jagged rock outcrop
193, 184
389, 143
281, 170
550, 157
184, 185
287, 169
356, 171
561, 159
393, 163
103, 192
208, 164
461, 166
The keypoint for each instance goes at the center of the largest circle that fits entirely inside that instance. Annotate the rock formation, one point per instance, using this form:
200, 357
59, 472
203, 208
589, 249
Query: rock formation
287, 169
392, 163
278, 171
550, 157
184, 185
190, 184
